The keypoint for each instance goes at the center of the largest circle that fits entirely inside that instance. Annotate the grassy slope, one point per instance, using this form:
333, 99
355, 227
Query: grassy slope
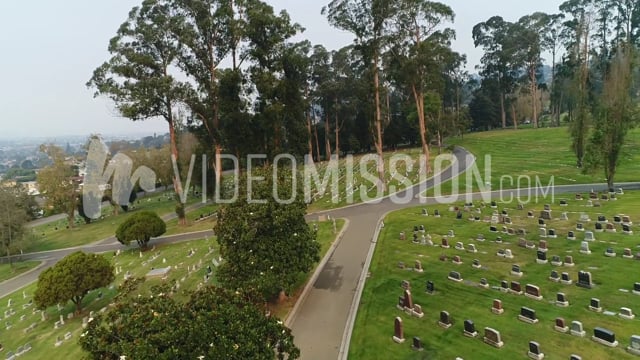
44, 336
7, 272
374, 324
541, 153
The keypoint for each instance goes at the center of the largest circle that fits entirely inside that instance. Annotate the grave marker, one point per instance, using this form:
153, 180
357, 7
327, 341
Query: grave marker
470, 329
561, 325
577, 329
585, 280
561, 300
594, 305
534, 351
604, 337
445, 320
398, 334
496, 307
492, 337
528, 315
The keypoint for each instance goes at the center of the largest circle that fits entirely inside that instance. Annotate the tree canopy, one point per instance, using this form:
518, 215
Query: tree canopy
266, 243
141, 227
72, 278
213, 323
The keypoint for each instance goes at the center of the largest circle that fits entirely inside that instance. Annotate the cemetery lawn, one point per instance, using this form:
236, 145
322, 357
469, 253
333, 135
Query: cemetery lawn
7, 272
395, 172
374, 326
43, 337
542, 153
55, 235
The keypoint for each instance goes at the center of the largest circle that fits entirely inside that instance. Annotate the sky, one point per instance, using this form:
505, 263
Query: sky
49, 49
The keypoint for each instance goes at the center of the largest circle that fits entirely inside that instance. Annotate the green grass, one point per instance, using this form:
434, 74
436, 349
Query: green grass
43, 337
358, 189
56, 235
7, 271
543, 154
374, 323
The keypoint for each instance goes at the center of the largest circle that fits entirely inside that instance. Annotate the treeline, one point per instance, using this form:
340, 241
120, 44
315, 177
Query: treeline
593, 81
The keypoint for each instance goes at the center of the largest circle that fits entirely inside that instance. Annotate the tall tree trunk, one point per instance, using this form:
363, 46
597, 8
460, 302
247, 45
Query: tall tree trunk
514, 117
534, 96
327, 141
503, 113
419, 99
337, 129
315, 130
309, 131
378, 138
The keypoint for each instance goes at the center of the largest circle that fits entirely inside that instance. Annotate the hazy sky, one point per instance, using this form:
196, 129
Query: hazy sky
48, 50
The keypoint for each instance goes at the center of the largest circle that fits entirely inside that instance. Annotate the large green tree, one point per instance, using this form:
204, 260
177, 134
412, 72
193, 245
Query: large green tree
421, 52
369, 21
214, 323
140, 227
264, 239
138, 76
58, 182
71, 279
15, 209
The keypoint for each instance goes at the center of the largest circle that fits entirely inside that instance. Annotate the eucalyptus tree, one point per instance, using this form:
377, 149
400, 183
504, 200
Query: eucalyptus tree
421, 49
369, 21
139, 76
493, 36
552, 42
578, 32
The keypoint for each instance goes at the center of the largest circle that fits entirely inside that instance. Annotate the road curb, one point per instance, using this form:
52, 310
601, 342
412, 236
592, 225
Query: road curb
307, 288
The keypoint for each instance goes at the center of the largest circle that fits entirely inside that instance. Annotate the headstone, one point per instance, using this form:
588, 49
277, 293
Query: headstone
579, 197
610, 228
552, 234
554, 276
561, 300
577, 329
599, 227
584, 248
627, 254
579, 227
492, 337
459, 246
470, 329
402, 235
556, 261
584, 280
484, 283
457, 260
430, 287
568, 261
445, 320
532, 292
564, 216
626, 229
588, 236
636, 288
406, 285
571, 236
610, 252
417, 267
445, 243
541, 223
565, 279
542, 232
541, 257
496, 307
542, 245
476, 264
398, 334
515, 288
528, 315
530, 214
634, 345
508, 254
604, 337
561, 325
417, 311
626, 313
564, 202
545, 214
472, 248
515, 270
451, 234
626, 220
417, 344
534, 351
455, 276
493, 229
594, 305
408, 300
504, 286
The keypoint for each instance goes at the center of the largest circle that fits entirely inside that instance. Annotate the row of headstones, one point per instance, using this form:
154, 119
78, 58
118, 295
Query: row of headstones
491, 336
19, 352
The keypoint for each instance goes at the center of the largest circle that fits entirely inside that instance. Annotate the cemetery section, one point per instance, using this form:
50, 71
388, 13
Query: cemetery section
550, 278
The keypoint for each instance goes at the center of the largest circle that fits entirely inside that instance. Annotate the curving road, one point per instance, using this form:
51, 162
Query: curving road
323, 318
